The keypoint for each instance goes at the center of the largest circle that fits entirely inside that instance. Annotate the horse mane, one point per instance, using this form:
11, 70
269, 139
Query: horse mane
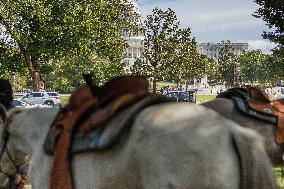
254, 93
234, 92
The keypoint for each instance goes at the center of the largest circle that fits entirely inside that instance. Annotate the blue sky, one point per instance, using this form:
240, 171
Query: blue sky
206, 18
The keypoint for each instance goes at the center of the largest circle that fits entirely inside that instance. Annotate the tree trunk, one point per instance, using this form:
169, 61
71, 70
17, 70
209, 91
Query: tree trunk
154, 84
177, 83
37, 82
186, 85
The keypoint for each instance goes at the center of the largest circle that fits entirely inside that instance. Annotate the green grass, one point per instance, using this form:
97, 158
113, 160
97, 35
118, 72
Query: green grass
199, 98
17, 96
280, 181
204, 97
64, 100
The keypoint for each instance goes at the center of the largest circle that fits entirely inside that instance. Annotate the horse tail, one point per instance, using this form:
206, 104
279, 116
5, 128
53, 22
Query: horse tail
255, 168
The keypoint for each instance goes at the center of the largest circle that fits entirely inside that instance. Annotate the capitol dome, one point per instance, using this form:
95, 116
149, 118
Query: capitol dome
135, 49
137, 11
135, 6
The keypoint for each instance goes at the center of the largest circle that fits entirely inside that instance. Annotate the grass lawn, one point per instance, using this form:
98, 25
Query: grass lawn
64, 100
199, 98
204, 97
277, 172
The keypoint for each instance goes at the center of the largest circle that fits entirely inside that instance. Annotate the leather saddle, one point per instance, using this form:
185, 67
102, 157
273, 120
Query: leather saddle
89, 108
255, 102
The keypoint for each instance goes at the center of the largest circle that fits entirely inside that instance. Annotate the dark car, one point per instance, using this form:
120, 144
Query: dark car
182, 96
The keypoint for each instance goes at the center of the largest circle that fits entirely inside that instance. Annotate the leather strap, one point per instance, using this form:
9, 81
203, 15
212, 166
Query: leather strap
280, 128
83, 99
263, 108
275, 108
60, 174
279, 106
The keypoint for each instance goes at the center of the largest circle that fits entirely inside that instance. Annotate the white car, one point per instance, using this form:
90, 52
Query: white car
47, 98
19, 103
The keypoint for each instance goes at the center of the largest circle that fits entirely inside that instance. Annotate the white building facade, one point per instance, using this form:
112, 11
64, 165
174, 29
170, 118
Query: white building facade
135, 49
133, 52
212, 50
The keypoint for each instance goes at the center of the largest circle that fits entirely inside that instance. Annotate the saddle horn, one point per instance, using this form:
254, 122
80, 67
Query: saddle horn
90, 83
256, 93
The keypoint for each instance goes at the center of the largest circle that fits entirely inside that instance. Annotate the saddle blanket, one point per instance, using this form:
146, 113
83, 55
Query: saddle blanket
242, 106
108, 133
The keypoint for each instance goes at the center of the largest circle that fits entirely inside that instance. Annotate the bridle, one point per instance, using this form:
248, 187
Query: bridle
5, 149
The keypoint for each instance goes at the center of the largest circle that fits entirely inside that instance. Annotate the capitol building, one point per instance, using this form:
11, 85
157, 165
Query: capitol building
212, 50
133, 52
135, 49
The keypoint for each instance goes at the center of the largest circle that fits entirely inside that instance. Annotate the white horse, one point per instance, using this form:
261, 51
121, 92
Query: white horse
227, 109
169, 146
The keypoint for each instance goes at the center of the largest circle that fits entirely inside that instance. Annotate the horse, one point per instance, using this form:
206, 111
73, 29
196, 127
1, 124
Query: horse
169, 145
225, 106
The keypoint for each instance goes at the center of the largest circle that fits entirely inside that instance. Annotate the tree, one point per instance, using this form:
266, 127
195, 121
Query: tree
159, 42
34, 33
186, 63
273, 68
227, 65
253, 67
68, 73
168, 48
272, 13
211, 68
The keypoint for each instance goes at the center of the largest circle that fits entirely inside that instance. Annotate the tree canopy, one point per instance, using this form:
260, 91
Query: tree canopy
227, 66
170, 53
272, 13
35, 33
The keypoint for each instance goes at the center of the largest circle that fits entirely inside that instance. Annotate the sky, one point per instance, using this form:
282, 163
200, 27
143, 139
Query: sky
216, 20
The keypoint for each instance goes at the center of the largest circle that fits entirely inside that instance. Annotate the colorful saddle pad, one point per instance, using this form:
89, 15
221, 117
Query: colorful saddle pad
92, 135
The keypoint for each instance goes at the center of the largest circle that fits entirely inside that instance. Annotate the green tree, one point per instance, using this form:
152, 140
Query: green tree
227, 65
211, 69
185, 63
168, 51
35, 33
253, 67
274, 68
160, 30
271, 11
68, 72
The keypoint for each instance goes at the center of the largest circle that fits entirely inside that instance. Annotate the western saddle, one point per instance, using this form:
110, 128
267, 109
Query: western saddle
257, 100
88, 109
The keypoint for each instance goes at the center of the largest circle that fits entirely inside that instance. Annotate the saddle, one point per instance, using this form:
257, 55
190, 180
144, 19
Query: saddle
255, 102
85, 118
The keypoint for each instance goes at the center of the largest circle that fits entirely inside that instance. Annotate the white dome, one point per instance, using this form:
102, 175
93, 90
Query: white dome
135, 8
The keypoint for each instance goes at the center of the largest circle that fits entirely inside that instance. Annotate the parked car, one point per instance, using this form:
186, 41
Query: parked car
19, 103
43, 98
182, 96
54, 95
